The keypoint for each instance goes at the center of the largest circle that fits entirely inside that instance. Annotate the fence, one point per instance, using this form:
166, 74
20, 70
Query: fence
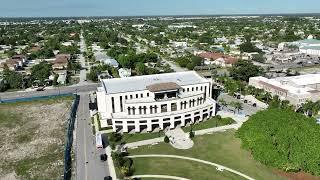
69, 139
34, 98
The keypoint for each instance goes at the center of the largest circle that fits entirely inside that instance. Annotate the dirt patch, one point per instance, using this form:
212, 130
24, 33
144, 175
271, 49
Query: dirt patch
32, 139
297, 176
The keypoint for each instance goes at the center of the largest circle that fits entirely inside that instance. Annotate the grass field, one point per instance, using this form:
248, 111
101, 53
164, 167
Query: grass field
210, 123
32, 137
222, 148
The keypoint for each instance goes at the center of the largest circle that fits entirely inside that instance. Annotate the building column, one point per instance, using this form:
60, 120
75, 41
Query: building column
137, 126
149, 126
125, 126
171, 123
183, 121
161, 124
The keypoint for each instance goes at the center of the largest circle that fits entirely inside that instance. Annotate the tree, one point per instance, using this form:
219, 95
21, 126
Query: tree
166, 139
236, 105
141, 69
41, 71
280, 138
223, 103
12, 80
307, 108
243, 70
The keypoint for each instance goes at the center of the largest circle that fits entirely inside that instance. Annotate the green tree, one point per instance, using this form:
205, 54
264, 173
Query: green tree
243, 70
41, 71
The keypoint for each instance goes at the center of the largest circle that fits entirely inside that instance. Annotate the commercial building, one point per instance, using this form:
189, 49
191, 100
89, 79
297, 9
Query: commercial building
296, 89
154, 101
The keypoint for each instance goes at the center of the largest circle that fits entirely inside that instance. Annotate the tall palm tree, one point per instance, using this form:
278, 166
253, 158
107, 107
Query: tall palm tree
307, 108
236, 105
223, 103
267, 97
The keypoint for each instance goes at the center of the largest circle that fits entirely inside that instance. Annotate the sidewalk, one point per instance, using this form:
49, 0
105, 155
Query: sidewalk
112, 169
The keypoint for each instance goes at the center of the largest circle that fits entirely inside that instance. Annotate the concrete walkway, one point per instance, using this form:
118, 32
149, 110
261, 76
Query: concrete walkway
144, 142
179, 139
158, 176
112, 169
219, 167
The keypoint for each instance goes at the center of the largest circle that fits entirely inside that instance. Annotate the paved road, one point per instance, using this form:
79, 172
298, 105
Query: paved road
88, 164
83, 72
219, 167
51, 91
174, 66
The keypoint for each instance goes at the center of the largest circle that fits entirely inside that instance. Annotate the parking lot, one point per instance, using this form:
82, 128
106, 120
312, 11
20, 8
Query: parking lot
248, 108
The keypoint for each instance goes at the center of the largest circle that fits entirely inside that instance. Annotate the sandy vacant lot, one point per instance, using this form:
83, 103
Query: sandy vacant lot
32, 136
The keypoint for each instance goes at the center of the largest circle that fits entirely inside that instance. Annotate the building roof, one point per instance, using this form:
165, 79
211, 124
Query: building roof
309, 41
163, 87
140, 83
303, 80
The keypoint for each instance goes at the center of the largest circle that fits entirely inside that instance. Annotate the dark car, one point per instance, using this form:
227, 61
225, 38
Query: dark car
254, 104
103, 157
107, 178
40, 89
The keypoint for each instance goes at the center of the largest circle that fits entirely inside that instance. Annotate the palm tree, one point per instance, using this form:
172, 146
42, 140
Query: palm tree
223, 103
285, 104
236, 105
307, 108
267, 97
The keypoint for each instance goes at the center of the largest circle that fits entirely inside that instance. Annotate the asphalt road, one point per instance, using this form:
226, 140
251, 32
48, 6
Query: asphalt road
88, 164
47, 92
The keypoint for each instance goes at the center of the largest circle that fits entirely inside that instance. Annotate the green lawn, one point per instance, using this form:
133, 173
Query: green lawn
210, 123
128, 138
180, 168
222, 148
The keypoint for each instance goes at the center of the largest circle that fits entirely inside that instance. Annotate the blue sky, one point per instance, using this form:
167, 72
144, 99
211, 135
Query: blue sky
30, 8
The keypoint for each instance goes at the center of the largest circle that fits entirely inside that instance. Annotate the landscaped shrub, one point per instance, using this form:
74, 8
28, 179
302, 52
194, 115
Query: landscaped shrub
191, 134
166, 139
283, 139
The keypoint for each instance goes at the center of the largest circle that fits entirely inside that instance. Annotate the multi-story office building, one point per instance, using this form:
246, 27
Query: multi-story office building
296, 89
154, 101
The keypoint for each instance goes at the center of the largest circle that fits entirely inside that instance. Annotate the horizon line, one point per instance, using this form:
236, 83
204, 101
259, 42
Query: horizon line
176, 15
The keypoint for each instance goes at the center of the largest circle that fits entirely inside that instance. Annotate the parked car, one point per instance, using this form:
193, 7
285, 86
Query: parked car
245, 101
40, 89
107, 178
103, 157
254, 104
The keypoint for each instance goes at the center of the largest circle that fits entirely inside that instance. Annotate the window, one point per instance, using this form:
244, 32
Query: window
141, 95
197, 88
131, 97
166, 119
192, 88
201, 88
144, 110
151, 109
187, 89
143, 121
187, 115
137, 95
205, 110
173, 106
121, 105
130, 122
155, 120
129, 111
147, 94
133, 111
125, 97
140, 110
196, 113
118, 122
112, 104
164, 108
178, 117
183, 90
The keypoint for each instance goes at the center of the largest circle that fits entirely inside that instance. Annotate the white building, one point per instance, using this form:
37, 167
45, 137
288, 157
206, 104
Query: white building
296, 89
154, 101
